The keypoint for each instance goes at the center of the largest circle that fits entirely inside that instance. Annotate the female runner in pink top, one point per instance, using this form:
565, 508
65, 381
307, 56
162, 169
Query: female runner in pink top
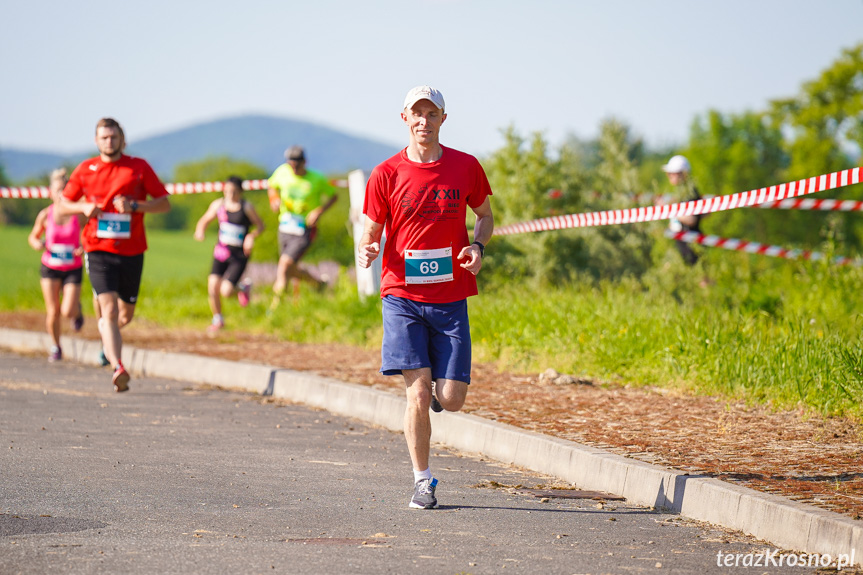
61, 265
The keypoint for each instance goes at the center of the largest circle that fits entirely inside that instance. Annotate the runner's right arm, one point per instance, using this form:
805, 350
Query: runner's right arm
35, 237
275, 200
370, 244
87, 209
208, 217
71, 200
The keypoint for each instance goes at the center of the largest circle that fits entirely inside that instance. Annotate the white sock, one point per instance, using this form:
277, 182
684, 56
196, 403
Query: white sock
420, 475
217, 318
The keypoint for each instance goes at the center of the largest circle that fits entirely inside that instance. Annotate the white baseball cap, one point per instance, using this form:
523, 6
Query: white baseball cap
424, 93
676, 165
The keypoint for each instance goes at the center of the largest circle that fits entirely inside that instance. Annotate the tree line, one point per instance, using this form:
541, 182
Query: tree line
816, 131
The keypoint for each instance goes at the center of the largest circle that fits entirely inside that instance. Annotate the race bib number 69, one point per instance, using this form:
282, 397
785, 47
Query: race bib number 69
428, 266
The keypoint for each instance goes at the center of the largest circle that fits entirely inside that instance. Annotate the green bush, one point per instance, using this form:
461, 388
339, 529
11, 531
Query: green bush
528, 183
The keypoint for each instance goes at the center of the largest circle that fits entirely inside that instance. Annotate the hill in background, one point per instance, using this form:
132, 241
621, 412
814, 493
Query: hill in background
19, 165
256, 138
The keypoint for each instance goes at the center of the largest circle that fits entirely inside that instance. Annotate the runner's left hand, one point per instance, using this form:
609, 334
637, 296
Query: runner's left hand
122, 204
474, 259
248, 244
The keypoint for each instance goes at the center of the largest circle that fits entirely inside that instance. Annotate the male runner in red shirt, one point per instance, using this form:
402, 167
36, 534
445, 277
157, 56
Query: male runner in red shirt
421, 196
115, 188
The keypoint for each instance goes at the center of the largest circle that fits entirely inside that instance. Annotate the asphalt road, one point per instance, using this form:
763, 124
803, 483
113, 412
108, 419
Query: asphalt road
174, 478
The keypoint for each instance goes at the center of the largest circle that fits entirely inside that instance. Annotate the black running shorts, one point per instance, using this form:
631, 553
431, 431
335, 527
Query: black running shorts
115, 273
74, 276
231, 269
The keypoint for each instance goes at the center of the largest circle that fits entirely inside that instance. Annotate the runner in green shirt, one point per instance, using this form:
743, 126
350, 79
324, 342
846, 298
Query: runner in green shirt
300, 196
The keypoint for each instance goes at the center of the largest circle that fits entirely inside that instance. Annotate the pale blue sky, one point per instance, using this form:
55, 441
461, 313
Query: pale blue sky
556, 67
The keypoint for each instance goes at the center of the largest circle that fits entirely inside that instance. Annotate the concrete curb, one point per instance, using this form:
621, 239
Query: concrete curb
784, 523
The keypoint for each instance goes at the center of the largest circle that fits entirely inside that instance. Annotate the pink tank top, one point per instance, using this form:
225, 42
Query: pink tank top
61, 242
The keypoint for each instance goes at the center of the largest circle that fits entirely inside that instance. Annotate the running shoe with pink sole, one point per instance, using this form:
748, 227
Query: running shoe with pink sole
121, 379
244, 294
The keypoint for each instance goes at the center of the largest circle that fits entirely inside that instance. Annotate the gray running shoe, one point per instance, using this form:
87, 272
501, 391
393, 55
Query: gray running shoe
424, 494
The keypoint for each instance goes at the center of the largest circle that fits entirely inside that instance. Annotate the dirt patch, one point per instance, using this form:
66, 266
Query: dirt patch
791, 453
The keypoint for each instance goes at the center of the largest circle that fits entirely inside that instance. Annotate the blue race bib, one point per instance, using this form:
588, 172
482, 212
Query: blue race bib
428, 266
114, 226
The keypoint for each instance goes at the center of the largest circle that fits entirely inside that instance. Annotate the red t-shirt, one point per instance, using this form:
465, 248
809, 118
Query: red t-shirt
423, 208
99, 182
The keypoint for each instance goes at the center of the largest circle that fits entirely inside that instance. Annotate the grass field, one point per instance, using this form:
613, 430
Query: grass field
173, 256
786, 334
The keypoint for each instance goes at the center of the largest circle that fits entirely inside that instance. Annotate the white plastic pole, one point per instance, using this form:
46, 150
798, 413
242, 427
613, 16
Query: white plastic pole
368, 279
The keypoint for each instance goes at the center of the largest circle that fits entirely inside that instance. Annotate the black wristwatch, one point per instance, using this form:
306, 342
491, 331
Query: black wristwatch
481, 249
134, 205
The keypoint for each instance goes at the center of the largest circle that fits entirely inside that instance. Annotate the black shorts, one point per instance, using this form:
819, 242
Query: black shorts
295, 246
684, 249
231, 269
115, 273
686, 252
74, 276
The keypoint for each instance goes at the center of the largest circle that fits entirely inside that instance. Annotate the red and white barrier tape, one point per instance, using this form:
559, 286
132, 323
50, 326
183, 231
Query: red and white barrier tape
25, 192
703, 206
756, 248
202, 187
825, 205
183, 188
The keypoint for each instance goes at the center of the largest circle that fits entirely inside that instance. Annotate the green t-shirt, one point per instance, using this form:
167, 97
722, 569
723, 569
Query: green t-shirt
299, 194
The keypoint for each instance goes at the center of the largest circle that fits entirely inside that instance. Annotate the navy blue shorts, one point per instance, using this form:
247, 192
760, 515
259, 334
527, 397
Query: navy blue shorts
434, 335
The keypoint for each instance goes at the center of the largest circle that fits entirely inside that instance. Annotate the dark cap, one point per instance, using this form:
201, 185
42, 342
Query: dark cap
296, 153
